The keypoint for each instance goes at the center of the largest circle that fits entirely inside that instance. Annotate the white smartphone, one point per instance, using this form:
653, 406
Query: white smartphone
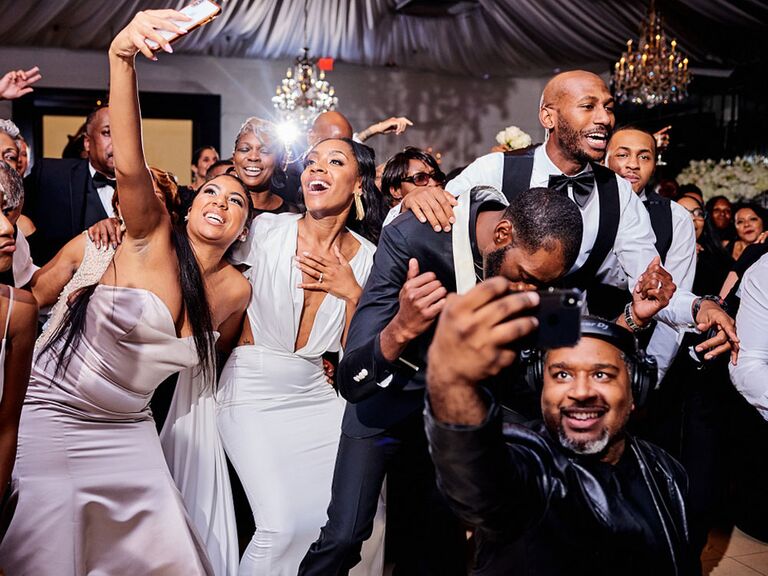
201, 12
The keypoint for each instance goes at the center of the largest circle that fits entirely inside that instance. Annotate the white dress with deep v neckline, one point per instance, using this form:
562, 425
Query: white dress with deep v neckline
91, 492
279, 419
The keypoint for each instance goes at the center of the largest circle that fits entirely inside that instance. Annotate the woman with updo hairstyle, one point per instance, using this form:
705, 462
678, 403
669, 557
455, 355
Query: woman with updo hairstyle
278, 416
259, 159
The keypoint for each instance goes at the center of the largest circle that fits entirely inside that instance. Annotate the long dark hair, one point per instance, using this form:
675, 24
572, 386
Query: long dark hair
194, 300
373, 203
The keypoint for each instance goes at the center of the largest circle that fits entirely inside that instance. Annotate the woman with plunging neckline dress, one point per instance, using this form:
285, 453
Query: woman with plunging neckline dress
279, 418
91, 491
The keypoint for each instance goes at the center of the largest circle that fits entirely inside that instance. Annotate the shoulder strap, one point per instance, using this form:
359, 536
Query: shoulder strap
518, 167
10, 311
660, 211
608, 196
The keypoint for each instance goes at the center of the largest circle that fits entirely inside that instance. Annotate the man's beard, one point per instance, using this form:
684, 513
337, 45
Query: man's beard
493, 261
569, 141
584, 447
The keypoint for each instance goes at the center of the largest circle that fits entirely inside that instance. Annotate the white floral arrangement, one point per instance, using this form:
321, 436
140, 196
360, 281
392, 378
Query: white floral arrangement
742, 178
512, 138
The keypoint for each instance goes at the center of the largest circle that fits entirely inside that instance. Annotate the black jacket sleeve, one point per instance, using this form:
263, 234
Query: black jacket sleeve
498, 487
363, 370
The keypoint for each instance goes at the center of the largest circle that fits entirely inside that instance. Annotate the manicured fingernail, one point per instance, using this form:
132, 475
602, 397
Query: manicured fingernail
437, 228
447, 229
452, 220
422, 220
167, 48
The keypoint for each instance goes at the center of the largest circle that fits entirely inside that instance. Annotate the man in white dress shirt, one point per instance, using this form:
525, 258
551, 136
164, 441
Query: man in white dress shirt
577, 112
632, 155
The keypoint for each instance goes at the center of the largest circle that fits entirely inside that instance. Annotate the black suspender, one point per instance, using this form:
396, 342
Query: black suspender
518, 167
660, 211
608, 196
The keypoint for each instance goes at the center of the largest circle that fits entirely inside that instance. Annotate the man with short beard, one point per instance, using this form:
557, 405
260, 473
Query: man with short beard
532, 240
577, 112
575, 495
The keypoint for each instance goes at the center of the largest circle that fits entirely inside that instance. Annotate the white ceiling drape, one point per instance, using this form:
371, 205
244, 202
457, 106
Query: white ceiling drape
493, 37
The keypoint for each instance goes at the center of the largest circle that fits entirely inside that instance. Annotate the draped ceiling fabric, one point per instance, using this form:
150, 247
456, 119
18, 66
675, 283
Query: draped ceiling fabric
480, 37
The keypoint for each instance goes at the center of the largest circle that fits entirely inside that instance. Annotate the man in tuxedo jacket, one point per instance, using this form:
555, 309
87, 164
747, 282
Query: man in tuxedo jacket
533, 240
66, 196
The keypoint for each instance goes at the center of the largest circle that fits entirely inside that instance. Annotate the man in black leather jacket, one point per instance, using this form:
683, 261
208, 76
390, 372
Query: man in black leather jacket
574, 495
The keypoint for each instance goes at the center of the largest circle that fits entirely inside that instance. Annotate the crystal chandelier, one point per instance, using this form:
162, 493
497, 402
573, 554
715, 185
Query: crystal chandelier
656, 72
304, 92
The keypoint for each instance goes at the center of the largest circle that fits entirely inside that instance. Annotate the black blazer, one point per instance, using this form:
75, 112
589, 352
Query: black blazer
373, 409
61, 200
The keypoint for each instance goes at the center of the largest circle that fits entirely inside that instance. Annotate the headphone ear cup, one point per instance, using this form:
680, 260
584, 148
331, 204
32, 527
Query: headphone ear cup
644, 377
532, 367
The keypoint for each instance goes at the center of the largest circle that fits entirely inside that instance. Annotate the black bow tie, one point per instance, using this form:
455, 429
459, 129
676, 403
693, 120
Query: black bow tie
100, 180
582, 186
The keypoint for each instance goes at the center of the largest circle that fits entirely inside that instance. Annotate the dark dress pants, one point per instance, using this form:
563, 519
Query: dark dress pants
431, 541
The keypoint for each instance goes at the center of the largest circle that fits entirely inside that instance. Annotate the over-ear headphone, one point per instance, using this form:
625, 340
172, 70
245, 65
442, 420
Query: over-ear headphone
643, 371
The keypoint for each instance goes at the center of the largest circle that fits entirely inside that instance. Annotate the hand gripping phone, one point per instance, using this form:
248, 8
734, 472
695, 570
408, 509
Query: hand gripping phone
201, 12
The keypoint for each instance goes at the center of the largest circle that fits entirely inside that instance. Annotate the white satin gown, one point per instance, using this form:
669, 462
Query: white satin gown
279, 419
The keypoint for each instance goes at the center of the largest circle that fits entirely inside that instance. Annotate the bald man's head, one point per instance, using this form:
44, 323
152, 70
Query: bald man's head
329, 125
577, 112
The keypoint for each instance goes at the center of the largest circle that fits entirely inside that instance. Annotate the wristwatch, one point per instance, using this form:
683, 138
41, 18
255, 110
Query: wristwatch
712, 298
634, 326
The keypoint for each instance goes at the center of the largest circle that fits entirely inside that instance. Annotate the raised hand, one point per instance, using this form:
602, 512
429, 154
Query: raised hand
421, 299
146, 25
473, 334
336, 278
17, 83
652, 293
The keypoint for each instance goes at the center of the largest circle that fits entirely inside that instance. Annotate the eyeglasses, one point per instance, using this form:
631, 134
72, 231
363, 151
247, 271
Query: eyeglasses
697, 213
422, 178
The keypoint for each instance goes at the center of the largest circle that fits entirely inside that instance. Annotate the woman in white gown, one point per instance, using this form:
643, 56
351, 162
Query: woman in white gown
279, 418
91, 491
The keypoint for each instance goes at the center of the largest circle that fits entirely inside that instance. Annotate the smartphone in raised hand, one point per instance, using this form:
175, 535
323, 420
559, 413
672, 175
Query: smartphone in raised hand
200, 11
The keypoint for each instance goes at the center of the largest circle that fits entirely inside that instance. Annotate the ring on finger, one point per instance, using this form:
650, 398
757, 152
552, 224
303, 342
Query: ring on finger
659, 286
320, 279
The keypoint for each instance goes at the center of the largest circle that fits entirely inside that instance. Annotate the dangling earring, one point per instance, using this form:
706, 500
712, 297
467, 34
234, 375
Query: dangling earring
186, 217
359, 210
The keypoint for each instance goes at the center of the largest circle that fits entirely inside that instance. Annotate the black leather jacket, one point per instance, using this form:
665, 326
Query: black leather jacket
538, 509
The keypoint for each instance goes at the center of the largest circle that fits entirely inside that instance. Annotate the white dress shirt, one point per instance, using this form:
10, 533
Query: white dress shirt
105, 193
749, 375
634, 246
681, 264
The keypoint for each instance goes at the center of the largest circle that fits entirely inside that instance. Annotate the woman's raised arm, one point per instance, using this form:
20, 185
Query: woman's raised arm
141, 210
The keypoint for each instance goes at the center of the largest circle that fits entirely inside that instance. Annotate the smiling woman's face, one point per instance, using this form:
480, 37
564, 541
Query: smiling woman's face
330, 178
255, 159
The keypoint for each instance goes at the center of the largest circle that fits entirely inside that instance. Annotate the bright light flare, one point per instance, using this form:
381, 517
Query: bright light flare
288, 132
